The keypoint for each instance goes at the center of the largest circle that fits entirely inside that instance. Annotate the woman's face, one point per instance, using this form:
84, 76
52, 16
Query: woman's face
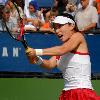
31, 9
6, 16
63, 31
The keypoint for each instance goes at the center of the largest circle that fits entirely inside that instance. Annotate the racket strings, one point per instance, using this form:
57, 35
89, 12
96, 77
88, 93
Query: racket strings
16, 28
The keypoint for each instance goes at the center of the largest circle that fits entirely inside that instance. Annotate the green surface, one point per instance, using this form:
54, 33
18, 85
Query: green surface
96, 86
33, 88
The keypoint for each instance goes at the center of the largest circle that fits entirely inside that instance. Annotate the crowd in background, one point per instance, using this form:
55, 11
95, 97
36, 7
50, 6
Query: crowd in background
86, 14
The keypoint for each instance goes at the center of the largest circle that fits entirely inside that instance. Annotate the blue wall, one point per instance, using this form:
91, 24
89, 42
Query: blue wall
13, 58
45, 3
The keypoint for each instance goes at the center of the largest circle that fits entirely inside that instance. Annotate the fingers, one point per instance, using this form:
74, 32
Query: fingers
27, 50
32, 59
30, 52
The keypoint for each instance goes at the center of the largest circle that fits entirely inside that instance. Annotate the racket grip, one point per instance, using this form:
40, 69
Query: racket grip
27, 50
25, 44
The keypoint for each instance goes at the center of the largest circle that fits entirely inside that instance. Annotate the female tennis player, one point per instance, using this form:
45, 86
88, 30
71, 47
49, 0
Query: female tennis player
72, 58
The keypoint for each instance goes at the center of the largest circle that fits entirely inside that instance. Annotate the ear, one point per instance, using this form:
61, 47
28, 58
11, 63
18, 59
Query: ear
72, 26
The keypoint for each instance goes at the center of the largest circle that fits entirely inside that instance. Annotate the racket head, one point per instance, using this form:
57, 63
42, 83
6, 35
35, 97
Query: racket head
15, 24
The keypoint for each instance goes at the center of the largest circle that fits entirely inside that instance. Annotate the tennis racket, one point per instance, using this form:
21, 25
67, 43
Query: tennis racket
17, 31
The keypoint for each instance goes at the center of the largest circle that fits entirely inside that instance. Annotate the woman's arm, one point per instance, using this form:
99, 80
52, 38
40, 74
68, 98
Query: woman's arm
48, 64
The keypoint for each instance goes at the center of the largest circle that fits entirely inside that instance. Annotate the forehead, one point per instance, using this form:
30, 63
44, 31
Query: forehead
58, 26
6, 13
5, 10
31, 6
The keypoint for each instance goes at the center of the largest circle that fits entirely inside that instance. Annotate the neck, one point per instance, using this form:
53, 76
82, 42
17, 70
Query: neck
71, 33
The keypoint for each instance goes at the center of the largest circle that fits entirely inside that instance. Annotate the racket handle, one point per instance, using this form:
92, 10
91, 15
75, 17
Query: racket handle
25, 44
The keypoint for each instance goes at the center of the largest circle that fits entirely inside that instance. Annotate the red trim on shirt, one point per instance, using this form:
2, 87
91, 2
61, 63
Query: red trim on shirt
57, 57
80, 53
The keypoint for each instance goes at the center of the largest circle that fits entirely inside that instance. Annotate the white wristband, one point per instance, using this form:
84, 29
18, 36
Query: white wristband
39, 52
39, 60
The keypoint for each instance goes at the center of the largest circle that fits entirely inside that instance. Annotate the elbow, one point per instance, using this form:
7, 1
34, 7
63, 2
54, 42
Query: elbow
49, 67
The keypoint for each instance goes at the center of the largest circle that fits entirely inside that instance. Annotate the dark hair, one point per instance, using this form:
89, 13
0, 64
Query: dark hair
71, 17
34, 4
1, 10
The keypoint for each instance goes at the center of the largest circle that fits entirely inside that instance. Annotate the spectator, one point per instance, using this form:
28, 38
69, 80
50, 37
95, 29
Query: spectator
91, 3
32, 10
49, 17
97, 4
86, 17
60, 5
75, 2
1, 7
2, 4
6, 19
71, 9
34, 16
13, 12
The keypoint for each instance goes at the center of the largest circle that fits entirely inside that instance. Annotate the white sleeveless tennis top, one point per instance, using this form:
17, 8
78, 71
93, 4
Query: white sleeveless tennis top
76, 70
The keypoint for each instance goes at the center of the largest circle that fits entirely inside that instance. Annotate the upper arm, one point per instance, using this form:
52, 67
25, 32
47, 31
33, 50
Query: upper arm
71, 44
68, 46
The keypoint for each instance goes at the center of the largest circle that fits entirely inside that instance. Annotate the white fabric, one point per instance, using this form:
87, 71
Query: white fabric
76, 70
35, 15
63, 20
28, 15
39, 52
39, 61
86, 17
9, 24
26, 6
29, 26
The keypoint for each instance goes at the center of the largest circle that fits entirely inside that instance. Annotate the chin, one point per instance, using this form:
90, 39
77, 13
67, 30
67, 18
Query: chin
63, 40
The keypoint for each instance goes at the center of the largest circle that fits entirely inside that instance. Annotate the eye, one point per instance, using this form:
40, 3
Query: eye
57, 26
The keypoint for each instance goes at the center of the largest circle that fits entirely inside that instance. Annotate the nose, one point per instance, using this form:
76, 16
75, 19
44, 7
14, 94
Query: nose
58, 32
